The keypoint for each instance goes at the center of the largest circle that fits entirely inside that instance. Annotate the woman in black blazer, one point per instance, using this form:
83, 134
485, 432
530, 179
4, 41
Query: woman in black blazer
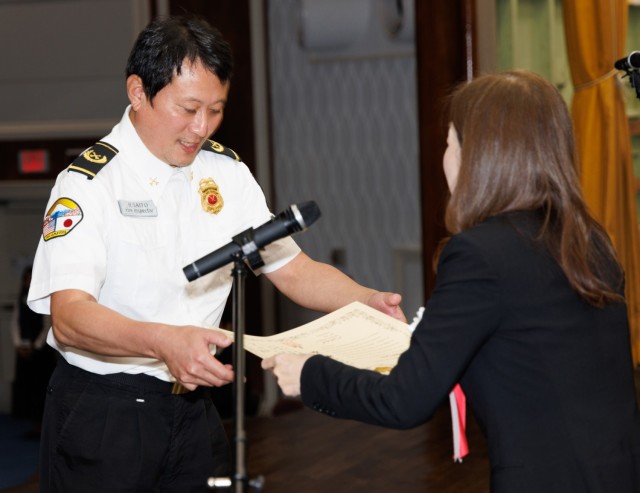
528, 311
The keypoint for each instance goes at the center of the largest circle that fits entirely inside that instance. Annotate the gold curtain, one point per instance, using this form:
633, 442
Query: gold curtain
595, 34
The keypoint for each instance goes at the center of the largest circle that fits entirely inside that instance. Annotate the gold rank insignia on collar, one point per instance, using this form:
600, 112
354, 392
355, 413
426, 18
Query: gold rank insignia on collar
210, 197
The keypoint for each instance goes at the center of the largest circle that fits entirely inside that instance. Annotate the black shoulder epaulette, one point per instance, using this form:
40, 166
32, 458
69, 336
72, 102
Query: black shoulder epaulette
213, 146
91, 161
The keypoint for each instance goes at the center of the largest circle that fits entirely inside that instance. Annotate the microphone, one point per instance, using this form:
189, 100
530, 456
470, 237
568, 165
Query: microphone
630, 62
295, 218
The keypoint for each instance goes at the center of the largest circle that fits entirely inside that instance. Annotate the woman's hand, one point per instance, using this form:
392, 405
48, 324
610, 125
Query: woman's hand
287, 369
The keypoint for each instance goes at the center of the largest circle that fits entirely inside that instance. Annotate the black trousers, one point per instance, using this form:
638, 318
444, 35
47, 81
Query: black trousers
128, 433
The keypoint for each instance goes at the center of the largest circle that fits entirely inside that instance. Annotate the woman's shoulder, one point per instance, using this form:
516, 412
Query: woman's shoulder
502, 229
501, 243
498, 248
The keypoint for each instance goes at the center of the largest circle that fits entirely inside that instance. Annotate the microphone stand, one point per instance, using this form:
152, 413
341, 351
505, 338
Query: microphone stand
245, 249
240, 480
634, 79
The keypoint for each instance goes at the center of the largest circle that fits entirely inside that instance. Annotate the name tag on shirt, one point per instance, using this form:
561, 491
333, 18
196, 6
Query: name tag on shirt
138, 208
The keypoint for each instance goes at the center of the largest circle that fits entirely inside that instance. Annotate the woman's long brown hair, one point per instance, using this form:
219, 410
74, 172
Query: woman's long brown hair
518, 152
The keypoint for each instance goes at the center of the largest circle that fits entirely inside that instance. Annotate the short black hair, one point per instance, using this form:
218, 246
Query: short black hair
164, 44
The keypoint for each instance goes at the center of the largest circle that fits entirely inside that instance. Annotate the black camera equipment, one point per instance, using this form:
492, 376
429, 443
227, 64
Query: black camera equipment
631, 65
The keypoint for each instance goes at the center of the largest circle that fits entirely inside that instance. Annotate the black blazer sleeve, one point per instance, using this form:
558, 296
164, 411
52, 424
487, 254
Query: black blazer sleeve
461, 315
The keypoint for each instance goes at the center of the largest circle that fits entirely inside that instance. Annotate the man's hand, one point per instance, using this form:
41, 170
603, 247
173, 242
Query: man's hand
188, 357
80, 321
287, 369
388, 303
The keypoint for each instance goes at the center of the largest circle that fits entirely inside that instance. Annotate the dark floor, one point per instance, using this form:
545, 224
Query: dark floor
306, 451
299, 450
303, 451
18, 451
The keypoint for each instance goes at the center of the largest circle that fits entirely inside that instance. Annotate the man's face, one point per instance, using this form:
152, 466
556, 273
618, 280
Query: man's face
183, 115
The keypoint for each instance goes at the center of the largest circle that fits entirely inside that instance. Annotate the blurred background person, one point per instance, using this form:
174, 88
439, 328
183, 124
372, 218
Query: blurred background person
35, 360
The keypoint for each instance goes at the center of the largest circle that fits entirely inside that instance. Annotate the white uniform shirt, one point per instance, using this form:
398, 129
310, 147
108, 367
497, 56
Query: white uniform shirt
125, 236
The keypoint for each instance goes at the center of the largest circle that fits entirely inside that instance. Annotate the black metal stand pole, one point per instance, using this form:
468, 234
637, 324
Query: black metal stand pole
240, 480
239, 359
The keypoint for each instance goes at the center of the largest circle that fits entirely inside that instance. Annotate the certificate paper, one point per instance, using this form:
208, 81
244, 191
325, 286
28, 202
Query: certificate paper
356, 334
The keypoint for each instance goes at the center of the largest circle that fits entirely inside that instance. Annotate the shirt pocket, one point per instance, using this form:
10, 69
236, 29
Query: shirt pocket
141, 263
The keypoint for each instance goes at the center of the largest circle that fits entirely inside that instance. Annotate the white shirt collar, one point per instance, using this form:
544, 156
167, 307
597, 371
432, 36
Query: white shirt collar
153, 173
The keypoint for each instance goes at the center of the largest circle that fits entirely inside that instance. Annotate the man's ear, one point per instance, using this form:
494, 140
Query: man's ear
135, 92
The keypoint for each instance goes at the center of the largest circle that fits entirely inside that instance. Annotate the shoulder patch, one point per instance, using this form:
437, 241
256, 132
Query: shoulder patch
91, 161
61, 218
213, 146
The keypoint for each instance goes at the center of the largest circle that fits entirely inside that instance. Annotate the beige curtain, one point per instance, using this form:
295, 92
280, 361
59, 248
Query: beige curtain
595, 35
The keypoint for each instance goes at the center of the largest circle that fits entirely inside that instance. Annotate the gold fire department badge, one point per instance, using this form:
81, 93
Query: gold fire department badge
210, 197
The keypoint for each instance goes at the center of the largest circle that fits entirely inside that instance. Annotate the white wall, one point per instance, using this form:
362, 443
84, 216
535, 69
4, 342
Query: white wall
345, 134
64, 65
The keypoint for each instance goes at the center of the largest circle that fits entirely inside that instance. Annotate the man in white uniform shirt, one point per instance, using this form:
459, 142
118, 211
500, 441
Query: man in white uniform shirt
122, 221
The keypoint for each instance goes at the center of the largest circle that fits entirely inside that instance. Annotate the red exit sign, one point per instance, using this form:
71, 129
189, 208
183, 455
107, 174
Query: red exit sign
33, 161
